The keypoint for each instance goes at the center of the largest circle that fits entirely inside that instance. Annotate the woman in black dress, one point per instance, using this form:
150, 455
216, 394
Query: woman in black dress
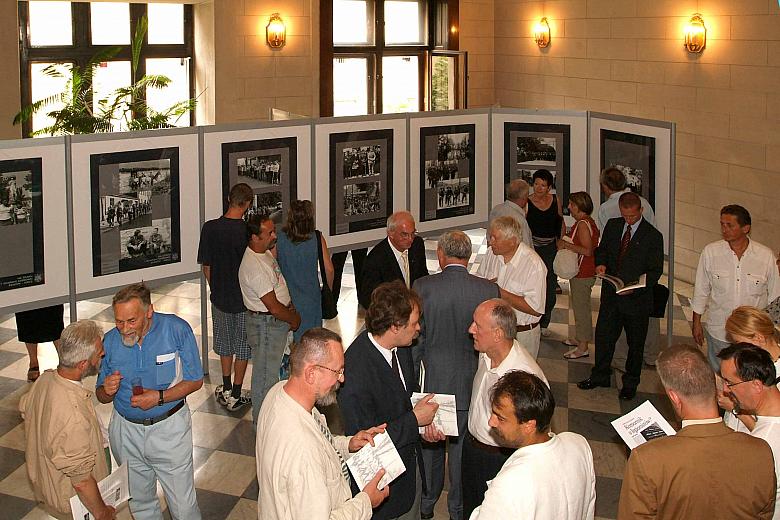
39, 326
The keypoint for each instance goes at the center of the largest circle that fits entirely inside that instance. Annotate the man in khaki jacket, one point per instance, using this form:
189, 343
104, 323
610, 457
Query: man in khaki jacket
63, 443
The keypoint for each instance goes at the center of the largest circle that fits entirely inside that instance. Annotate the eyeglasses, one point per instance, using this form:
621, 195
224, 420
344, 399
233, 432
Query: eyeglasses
339, 373
407, 236
730, 385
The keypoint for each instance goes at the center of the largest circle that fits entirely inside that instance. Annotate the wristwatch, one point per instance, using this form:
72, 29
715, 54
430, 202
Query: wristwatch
161, 401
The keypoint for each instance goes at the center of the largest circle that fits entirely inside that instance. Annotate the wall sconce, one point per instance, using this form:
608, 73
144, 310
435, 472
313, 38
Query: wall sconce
542, 33
695, 34
275, 32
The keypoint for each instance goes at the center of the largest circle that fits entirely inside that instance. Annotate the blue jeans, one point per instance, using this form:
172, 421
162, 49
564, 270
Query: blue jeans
267, 336
162, 451
713, 347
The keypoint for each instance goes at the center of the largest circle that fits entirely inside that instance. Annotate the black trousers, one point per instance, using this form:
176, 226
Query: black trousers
610, 323
547, 253
478, 466
339, 259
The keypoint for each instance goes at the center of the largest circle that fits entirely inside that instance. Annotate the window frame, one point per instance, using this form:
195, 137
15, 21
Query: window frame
82, 50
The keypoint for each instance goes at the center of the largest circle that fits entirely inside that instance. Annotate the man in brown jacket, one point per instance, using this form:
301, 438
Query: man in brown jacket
705, 471
63, 444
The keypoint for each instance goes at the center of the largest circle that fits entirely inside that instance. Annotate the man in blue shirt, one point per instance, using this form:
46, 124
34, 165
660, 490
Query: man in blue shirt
151, 364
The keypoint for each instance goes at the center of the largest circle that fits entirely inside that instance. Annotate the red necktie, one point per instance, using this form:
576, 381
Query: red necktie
624, 245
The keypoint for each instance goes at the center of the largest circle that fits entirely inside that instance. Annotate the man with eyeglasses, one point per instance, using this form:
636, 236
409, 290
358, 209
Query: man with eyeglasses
750, 381
400, 256
706, 470
379, 383
301, 466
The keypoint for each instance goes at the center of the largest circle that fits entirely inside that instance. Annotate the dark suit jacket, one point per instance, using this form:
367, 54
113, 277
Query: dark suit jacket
381, 266
645, 255
373, 394
445, 345
705, 471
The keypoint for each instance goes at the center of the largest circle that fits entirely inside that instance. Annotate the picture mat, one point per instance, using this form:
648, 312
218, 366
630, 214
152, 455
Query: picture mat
322, 170
189, 197
663, 163
481, 164
632, 154
578, 150
212, 160
51, 151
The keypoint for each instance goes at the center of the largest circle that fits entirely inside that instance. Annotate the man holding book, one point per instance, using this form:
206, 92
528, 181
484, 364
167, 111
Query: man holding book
629, 249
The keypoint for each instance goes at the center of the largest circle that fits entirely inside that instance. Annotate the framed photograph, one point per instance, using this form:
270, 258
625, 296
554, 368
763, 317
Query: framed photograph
21, 223
135, 210
529, 147
449, 176
136, 207
274, 160
33, 223
634, 155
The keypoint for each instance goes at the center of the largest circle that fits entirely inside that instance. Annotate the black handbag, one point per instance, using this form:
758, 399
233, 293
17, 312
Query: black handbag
660, 298
328, 302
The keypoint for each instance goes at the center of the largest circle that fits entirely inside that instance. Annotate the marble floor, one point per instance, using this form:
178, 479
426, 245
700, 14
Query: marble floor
224, 441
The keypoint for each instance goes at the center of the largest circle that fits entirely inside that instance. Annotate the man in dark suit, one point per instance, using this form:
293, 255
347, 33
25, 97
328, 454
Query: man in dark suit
400, 256
379, 380
630, 247
706, 470
447, 352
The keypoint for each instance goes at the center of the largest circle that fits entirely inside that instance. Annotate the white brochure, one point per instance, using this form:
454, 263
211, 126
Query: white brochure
114, 490
369, 459
641, 424
446, 418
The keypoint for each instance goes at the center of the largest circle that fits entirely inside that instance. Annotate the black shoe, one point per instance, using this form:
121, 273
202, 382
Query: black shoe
426, 516
590, 384
627, 394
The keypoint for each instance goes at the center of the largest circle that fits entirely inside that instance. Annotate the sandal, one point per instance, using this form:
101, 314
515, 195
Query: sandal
573, 354
33, 373
569, 343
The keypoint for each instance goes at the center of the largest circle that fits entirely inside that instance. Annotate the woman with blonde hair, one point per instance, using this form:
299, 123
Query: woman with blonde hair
749, 325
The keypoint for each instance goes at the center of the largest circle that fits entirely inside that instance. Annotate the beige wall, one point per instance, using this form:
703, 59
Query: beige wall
9, 68
627, 57
476, 37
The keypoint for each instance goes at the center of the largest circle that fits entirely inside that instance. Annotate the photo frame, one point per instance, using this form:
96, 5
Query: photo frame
632, 154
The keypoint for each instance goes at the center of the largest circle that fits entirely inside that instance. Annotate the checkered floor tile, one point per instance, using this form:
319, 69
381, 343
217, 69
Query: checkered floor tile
224, 441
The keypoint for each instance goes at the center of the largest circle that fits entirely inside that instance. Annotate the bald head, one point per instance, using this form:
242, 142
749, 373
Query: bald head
401, 230
517, 192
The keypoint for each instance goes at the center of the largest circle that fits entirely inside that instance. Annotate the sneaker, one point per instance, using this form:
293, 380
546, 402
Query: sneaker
221, 395
234, 404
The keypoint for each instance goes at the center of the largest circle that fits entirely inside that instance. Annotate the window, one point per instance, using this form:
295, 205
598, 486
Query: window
59, 35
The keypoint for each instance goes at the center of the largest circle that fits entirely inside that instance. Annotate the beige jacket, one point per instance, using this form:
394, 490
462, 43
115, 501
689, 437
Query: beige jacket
63, 440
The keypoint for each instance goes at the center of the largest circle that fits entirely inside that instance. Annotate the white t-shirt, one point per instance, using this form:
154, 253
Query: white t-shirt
258, 275
768, 428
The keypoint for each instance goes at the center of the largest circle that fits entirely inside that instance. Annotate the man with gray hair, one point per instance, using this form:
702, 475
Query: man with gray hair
521, 276
400, 256
296, 452
446, 351
493, 330
706, 470
63, 443
516, 193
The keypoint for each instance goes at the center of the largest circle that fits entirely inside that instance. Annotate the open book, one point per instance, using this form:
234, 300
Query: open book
622, 286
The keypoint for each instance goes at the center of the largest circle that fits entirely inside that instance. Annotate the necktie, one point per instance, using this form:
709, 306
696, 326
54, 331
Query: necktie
396, 368
326, 432
405, 260
624, 245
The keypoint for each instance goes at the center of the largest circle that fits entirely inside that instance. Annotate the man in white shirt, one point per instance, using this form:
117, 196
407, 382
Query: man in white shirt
758, 398
548, 475
296, 451
521, 277
514, 206
270, 314
494, 338
732, 272
613, 185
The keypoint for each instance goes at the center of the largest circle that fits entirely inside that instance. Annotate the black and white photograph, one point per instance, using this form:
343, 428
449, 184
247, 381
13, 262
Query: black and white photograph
529, 147
135, 210
448, 166
361, 180
269, 167
634, 155
21, 224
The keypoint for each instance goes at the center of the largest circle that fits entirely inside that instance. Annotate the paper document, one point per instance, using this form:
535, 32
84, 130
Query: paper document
113, 489
622, 286
446, 418
642, 424
369, 459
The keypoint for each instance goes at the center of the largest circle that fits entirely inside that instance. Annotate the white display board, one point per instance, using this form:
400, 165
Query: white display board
449, 167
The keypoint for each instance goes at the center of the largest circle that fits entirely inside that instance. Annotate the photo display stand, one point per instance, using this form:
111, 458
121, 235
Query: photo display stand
360, 177
525, 141
34, 270
136, 200
449, 169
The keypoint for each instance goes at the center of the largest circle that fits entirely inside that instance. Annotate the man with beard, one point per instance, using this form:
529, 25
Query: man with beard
296, 452
63, 444
151, 364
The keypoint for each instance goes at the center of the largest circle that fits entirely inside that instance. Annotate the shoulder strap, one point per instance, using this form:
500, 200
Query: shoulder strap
320, 259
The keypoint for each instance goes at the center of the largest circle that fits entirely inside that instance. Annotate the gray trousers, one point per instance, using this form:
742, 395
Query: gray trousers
433, 456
